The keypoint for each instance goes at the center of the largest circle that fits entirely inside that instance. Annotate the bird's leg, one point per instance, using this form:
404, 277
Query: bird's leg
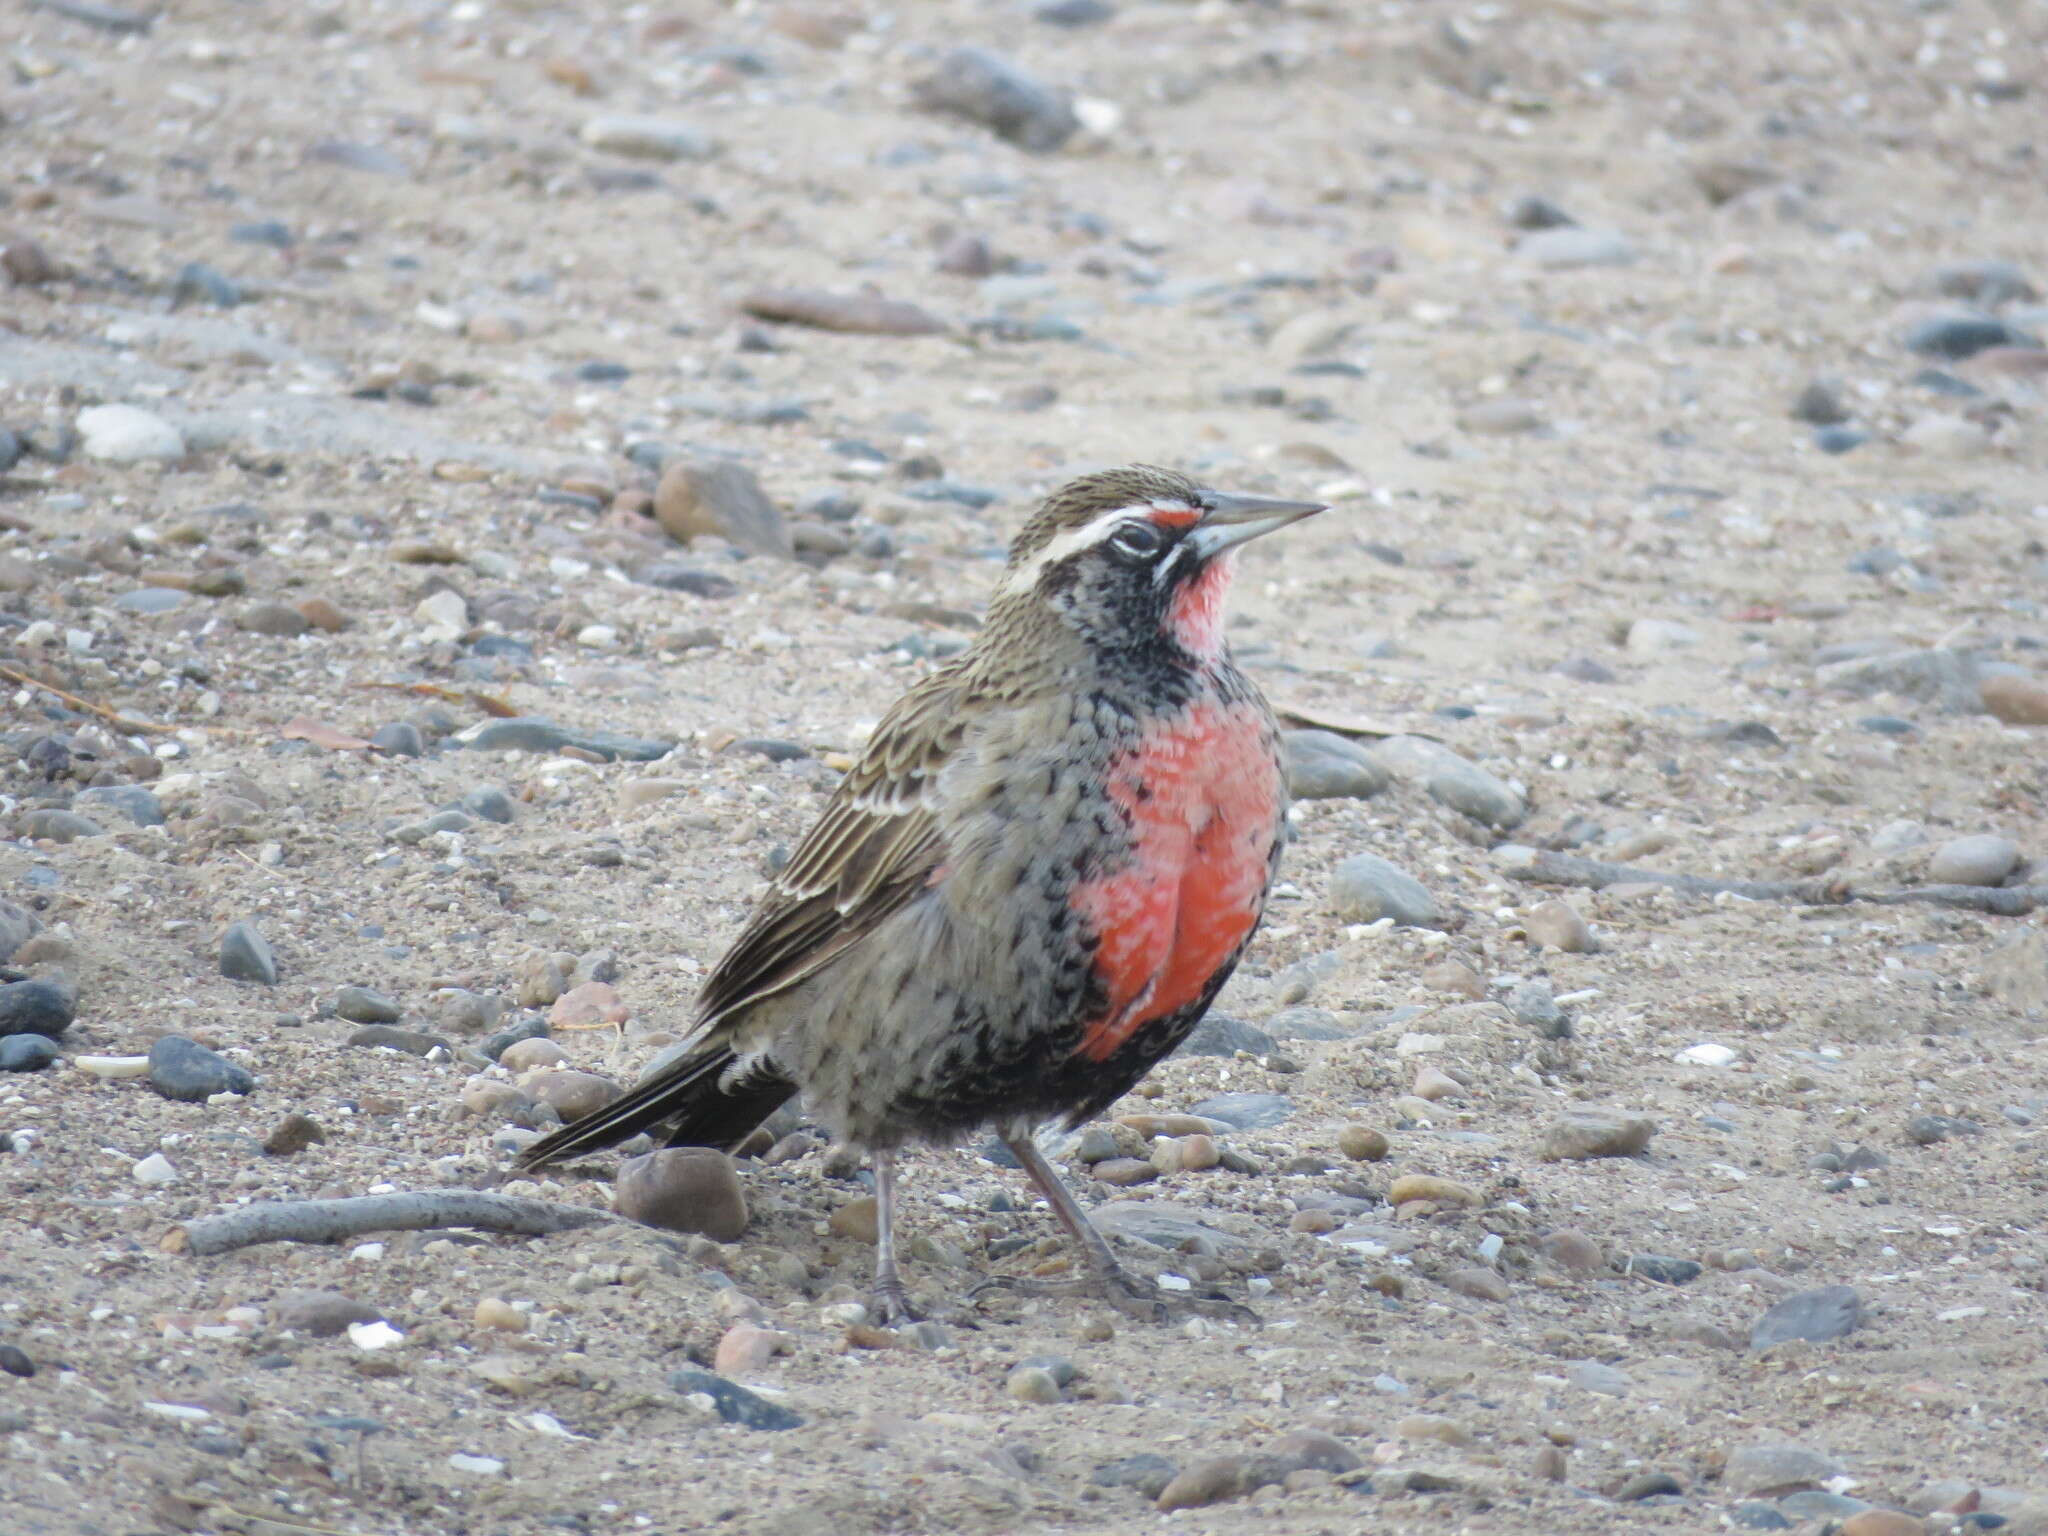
1105, 1278
890, 1301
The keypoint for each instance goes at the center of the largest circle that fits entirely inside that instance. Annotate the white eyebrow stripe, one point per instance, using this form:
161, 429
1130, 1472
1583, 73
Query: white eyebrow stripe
1066, 545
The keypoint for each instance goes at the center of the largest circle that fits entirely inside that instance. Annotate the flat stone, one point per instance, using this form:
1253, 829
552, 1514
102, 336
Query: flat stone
2013, 699
1219, 1478
187, 1071
1944, 678
648, 138
1775, 1468
1246, 1111
1219, 1034
536, 733
1321, 765
53, 826
1817, 1316
1573, 1250
150, 601
1960, 336
280, 621
245, 955
1592, 1376
319, 1314
1588, 1133
1560, 926
1428, 1186
1568, 246
1451, 780
860, 314
735, 1404
572, 1095
683, 1189
130, 801
1146, 1472
1978, 860
1480, 1284
1500, 418
1663, 1270
1365, 888
1162, 1224
412, 1042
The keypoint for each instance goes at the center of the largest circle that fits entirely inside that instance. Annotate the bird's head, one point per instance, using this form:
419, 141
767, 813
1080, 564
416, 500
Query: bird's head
1136, 556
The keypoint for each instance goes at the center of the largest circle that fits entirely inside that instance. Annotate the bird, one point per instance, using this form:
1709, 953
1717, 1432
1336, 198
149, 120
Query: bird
1044, 864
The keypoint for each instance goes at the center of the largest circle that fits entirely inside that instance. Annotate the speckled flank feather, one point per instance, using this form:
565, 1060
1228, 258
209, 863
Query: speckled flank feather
1045, 863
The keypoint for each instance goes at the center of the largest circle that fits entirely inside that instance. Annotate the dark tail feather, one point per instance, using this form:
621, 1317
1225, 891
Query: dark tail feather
686, 1096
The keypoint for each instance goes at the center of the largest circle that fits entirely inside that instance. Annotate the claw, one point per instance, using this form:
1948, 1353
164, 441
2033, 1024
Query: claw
889, 1303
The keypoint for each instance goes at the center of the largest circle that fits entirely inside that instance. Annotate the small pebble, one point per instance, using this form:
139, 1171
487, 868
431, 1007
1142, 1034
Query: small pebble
500, 1315
1427, 1186
683, 1189
1558, 925
1361, 1143
1032, 1384
858, 1219
154, 1169
1480, 1284
292, 1135
245, 955
363, 1005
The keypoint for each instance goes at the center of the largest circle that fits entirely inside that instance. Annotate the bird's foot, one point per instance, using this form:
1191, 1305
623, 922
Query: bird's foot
1128, 1294
889, 1303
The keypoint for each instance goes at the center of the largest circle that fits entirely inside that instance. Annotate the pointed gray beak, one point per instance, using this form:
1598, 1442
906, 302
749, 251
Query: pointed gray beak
1234, 520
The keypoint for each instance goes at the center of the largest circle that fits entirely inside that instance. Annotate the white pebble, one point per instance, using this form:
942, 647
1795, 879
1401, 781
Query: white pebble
482, 1466
374, 1336
1709, 1053
366, 1253
185, 1411
112, 1066
154, 1169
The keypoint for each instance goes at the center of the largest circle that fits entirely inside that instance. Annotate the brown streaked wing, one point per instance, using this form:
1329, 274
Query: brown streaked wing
869, 853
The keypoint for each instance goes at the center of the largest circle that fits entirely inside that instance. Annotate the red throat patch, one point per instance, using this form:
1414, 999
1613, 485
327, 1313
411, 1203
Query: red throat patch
1203, 797
1195, 616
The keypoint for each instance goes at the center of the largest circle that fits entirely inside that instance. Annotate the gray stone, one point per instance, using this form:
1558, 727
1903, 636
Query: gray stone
319, 1314
1246, 1111
1979, 860
26, 1053
488, 803
1776, 1467
1365, 888
137, 804
735, 1404
1221, 1035
1942, 677
1162, 1224
1817, 1316
199, 283
17, 926
1570, 245
1821, 404
1665, 1271
1321, 765
187, 1071
1956, 337
1981, 280
53, 826
149, 601
401, 738
683, 1189
365, 1005
1592, 1376
245, 955
987, 89
449, 820
536, 733
529, 1026
720, 498
1147, 1473
127, 434
1535, 1006
1451, 780
42, 1007
1926, 1130
1304, 1023
413, 1042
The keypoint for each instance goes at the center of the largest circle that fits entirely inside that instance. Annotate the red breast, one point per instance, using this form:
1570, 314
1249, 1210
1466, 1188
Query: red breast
1204, 798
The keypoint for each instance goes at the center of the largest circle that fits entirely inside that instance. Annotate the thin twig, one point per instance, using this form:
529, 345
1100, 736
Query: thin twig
1537, 866
112, 717
329, 1221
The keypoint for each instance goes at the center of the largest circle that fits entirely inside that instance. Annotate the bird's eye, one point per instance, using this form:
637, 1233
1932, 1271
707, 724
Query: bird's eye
1140, 541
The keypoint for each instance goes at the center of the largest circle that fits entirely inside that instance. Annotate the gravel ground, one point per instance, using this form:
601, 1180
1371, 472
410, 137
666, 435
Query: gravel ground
608, 410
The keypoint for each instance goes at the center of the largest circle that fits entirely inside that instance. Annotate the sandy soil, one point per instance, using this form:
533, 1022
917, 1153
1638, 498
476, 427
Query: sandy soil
1278, 252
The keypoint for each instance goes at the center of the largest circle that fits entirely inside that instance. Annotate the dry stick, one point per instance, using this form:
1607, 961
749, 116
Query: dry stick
1542, 867
110, 716
329, 1221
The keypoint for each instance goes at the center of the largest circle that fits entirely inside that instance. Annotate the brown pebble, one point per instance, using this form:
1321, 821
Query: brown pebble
1199, 1152
24, 261
1312, 1448
1572, 1249
292, 1135
322, 614
2015, 700
1456, 978
588, 1006
1096, 1330
277, 620
721, 499
684, 1189
1148, 1126
1362, 1144
745, 1348
572, 1095
1125, 1170
1387, 1283
1433, 1083
1312, 1221
526, 1055
1479, 1284
492, 1096
1427, 1186
1433, 1426
1220, 1478
1558, 925
1882, 1522
857, 1219
1550, 1464
866, 314
493, 1312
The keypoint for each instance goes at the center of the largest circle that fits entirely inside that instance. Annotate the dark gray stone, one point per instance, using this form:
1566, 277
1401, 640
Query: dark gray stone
1147, 1473
412, 1041
1821, 404
401, 738
1926, 1130
987, 89
1365, 888
736, 1405
245, 955
1321, 765
199, 283
1755, 1516
1817, 1316
673, 576
1246, 1111
1956, 337
529, 1026
187, 1071
139, 805
26, 1053
1221, 1035
1653, 1266
37, 1007
1839, 440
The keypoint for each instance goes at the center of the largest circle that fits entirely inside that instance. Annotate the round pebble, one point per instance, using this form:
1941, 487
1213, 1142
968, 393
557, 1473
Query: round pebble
1361, 1143
683, 1189
1980, 860
1558, 925
491, 1312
